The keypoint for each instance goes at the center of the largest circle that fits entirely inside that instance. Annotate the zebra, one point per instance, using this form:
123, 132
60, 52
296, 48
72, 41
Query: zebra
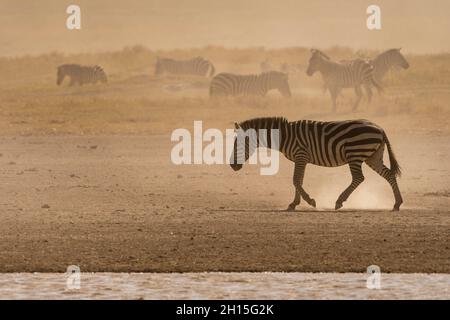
327, 144
228, 84
337, 76
195, 66
80, 74
383, 62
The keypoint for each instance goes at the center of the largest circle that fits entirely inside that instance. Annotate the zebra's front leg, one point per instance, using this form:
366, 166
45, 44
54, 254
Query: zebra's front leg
299, 173
357, 179
333, 93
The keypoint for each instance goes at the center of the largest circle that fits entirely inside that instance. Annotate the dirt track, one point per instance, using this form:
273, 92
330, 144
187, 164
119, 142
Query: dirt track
117, 203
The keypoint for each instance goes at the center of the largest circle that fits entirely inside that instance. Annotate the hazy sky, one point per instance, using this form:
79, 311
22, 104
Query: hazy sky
31, 26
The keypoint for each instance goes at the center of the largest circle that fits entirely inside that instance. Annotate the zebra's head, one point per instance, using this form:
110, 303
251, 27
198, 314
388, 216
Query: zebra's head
60, 74
252, 134
316, 61
245, 144
397, 59
100, 74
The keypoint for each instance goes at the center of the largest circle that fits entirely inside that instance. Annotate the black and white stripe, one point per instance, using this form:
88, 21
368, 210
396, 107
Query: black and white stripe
228, 84
382, 64
80, 74
196, 66
327, 144
337, 76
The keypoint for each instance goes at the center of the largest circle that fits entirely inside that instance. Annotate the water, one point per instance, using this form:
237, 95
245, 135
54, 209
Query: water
218, 285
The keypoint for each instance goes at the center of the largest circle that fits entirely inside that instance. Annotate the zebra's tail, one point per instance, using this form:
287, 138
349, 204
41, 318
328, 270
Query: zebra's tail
213, 70
395, 167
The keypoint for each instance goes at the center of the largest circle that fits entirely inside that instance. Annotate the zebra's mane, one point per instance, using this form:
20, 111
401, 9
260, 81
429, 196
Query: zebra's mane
388, 52
264, 123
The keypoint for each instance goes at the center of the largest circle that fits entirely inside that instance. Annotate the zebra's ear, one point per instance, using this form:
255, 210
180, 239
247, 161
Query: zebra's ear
236, 125
313, 50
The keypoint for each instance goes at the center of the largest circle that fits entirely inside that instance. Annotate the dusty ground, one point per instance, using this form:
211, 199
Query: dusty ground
87, 180
117, 203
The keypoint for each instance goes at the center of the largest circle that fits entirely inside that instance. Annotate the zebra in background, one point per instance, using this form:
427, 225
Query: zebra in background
327, 144
338, 76
382, 63
228, 84
80, 74
195, 66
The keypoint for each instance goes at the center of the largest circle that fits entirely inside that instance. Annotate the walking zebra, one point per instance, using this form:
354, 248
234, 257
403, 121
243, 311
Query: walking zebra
80, 74
228, 84
338, 76
327, 144
384, 62
196, 66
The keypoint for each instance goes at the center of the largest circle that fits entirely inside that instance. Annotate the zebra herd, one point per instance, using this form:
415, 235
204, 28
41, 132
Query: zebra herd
327, 144
355, 74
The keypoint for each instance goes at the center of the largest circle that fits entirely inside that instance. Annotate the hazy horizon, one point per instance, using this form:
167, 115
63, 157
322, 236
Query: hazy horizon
32, 27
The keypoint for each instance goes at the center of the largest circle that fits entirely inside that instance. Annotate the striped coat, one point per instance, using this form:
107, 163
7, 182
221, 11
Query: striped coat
327, 144
381, 64
197, 66
228, 84
337, 76
80, 74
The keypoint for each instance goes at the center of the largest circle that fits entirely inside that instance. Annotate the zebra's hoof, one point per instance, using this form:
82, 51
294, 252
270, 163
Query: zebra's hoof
396, 208
338, 205
290, 208
313, 203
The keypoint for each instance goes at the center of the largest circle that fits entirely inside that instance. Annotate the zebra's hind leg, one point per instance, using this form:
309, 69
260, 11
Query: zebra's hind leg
359, 94
376, 163
357, 179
